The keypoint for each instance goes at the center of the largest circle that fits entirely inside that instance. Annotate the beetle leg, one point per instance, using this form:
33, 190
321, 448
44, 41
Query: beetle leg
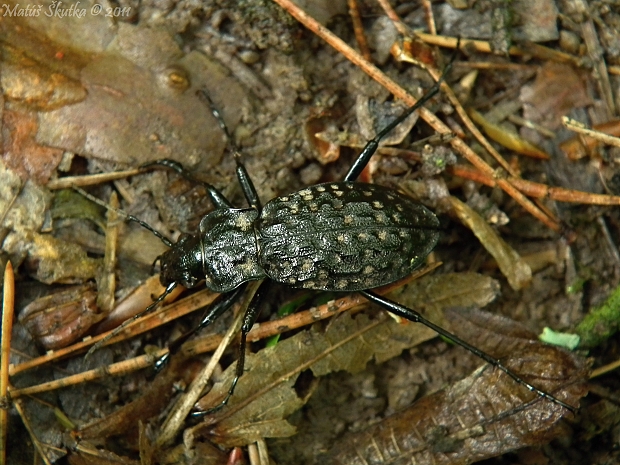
126, 323
414, 316
247, 185
244, 178
371, 146
128, 217
216, 196
222, 303
249, 319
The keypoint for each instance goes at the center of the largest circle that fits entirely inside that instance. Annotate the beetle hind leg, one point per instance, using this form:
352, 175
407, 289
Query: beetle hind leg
416, 317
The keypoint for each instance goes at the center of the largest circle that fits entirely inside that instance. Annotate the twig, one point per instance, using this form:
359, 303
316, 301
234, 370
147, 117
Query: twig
8, 308
581, 128
430, 18
539, 51
358, 29
211, 342
90, 180
537, 190
429, 117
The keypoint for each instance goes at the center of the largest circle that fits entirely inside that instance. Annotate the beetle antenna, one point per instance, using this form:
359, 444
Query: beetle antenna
129, 217
126, 323
204, 96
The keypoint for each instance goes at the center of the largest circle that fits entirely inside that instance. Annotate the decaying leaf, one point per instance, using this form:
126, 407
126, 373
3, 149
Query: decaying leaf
59, 319
495, 334
264, 394
558, 89
510, 140
517, 272
373, 116
449, 290
264, 418
69, 204
347, 344
482, 416
125, 94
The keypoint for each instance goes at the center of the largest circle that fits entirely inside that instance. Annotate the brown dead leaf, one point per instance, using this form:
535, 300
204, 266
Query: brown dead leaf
464, 289
482, 416
497, 335
264, 396
517, 272
58, 319
128, 96
558, 89
21, 152
347, 344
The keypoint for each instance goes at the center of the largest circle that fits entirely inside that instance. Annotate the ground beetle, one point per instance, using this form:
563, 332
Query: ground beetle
340, 236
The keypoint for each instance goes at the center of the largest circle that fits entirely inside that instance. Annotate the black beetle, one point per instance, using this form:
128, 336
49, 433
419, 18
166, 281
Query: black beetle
342, 236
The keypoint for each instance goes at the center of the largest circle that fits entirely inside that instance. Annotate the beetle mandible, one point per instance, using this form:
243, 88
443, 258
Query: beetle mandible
342, 236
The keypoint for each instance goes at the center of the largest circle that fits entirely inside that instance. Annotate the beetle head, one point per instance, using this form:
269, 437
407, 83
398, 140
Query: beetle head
182, 264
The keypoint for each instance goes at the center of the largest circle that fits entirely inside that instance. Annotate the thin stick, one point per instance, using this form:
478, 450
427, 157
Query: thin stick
536, 50
354, 12
581, 128
155, 319
90, 180
107, 338
209, 343
401, 27
8, 307
107, 278
37, 444
430, 18
429, 117
536, 189
115, 369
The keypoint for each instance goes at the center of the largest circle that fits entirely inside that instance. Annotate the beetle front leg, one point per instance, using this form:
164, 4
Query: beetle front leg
247, 186
249, 191
220, 305
218, 199
249, 319
372, 145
